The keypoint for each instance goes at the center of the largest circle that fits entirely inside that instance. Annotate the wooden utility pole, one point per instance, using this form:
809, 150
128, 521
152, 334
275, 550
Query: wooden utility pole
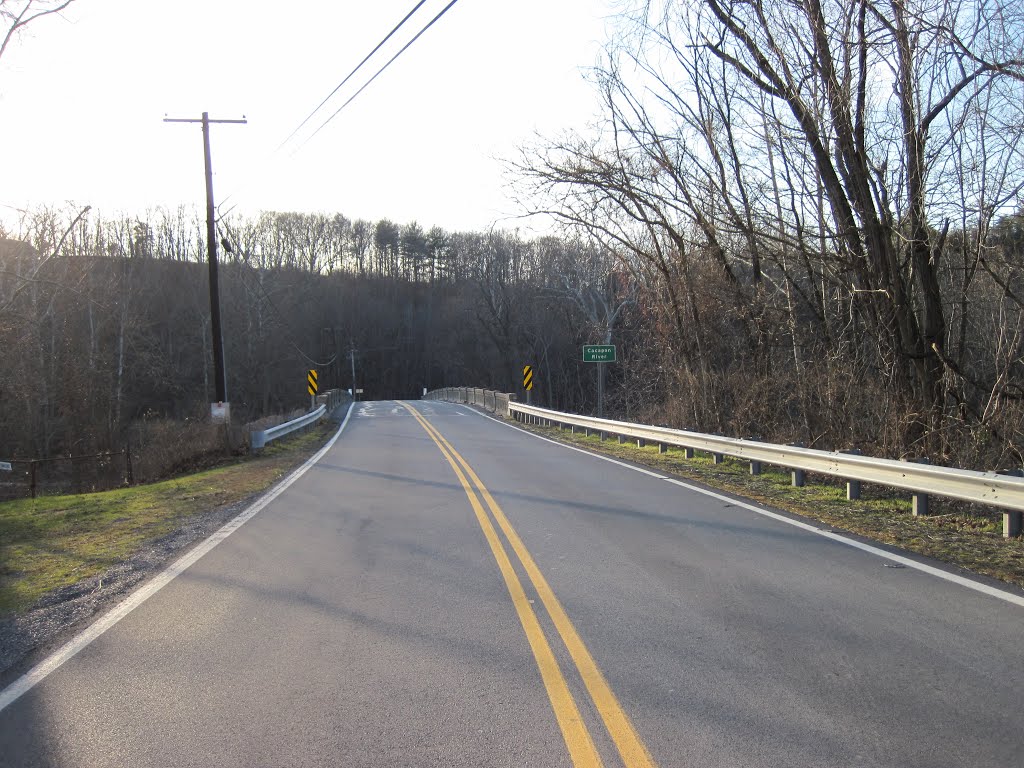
220, 375
352, 355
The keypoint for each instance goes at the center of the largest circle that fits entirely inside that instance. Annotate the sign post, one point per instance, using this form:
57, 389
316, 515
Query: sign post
312, 387
528, 381
600, 354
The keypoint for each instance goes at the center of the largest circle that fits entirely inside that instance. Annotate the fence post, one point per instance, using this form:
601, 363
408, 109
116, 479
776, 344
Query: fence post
32, 475
128, 462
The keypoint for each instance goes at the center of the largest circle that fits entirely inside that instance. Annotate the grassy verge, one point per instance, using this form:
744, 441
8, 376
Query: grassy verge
54, 541
961, 534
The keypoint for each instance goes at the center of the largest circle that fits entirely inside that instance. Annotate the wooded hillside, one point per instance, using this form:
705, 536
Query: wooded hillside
799, 221
106, 321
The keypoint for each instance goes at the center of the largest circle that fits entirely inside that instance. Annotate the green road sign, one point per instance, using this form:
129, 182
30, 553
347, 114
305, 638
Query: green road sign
598, 353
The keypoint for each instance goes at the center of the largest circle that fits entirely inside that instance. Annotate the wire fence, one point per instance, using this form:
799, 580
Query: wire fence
30, 478
154, 450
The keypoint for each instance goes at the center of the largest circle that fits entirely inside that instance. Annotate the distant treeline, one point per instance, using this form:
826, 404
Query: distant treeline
104, 324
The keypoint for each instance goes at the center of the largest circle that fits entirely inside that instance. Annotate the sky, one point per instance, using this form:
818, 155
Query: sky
83, 97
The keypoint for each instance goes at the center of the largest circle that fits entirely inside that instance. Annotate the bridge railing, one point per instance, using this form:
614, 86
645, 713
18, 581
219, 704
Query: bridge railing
997, 489
495, 402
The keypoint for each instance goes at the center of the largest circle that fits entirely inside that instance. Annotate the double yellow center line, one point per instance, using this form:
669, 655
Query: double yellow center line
574, 730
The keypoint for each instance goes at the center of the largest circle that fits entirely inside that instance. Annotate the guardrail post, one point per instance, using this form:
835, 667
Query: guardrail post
641, 443
622, 439
920, 500
687, 453
755, 466
717, 458
603, 435
852, 486
798, 475
662, 448
1012, 518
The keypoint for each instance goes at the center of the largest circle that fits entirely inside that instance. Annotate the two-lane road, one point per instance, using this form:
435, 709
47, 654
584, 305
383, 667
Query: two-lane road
444, 589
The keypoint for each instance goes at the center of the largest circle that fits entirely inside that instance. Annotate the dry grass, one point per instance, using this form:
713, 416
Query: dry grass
54, 541
957, 533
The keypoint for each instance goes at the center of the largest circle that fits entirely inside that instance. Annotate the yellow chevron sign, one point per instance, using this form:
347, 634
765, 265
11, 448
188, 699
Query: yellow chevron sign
527, 377
311, 381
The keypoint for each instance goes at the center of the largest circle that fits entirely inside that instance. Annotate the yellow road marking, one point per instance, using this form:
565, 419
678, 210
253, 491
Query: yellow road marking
632, 750
577, 738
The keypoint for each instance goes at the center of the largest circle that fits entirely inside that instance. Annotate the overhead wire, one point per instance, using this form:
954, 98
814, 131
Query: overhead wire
338, 87
350, 74
377, 74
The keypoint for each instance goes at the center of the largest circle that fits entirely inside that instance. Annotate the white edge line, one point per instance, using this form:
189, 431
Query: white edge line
40, 671
923, 567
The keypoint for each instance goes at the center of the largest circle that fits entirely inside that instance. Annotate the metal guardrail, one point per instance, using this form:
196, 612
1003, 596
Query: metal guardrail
260, 438
991, 488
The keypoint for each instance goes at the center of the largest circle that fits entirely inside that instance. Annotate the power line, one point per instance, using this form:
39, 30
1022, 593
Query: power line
350, 74
376, 48
379, 71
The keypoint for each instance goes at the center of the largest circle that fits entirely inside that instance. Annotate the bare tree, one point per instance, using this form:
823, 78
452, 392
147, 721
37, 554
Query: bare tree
823, 157
16, 15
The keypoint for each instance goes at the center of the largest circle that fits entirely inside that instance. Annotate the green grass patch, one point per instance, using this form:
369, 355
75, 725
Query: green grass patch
962, 534
55, 541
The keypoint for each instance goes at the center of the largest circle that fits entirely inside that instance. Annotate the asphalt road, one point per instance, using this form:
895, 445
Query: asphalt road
443, 589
